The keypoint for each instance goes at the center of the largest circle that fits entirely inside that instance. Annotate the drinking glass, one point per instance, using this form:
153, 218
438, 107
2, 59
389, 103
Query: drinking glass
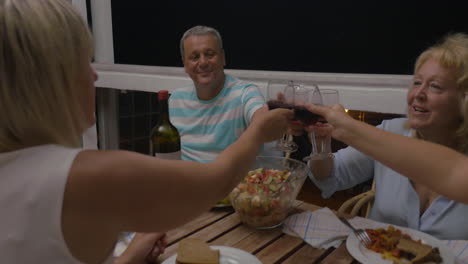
280, 94
306, 93
320, 136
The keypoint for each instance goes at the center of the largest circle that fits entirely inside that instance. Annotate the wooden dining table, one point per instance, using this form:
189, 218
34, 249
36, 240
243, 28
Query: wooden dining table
222, 227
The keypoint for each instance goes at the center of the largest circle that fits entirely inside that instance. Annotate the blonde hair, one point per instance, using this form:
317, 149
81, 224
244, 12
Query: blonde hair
452, 53
43, 47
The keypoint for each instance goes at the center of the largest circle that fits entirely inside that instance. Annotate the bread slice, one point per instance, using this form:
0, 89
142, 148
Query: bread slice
419, 250
196, 251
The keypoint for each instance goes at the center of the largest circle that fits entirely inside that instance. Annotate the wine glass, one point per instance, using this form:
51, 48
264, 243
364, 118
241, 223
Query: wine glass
280, 94
306, 93
321, 139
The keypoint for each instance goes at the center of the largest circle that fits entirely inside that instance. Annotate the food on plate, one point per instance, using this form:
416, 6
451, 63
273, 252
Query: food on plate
400, 248
196, 251
264, 197
423, 253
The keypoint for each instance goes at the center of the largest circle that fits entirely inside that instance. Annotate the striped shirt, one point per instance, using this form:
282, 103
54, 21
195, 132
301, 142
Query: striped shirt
206, 128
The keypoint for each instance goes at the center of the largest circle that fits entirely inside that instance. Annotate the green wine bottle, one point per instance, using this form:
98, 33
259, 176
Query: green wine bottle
165, 139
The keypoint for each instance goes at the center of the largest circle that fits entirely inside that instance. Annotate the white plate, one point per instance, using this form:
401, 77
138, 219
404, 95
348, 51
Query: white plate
364, 255
229, 255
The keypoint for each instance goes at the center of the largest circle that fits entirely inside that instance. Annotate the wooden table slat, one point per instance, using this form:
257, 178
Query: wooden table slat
279, 249
258, 239
208, 232
223, 227
339, 256
234, 236
305, 255
201, 221
218, 228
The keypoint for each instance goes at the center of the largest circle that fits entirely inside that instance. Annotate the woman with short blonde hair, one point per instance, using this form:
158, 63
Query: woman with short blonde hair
452, 53
40, 98
63, 204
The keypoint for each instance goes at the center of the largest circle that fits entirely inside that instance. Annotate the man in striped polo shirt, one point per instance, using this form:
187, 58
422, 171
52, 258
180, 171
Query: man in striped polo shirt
213, 112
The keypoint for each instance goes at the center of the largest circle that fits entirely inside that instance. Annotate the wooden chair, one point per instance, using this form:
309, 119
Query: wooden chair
359, 205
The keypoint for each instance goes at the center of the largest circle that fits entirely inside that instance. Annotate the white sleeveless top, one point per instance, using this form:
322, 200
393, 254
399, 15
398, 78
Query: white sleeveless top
32, 185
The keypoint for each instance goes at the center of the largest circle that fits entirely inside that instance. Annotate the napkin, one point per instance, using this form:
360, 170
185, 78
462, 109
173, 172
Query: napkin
323, 229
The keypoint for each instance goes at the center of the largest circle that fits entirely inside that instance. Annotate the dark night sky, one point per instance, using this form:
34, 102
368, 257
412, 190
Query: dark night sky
313, 36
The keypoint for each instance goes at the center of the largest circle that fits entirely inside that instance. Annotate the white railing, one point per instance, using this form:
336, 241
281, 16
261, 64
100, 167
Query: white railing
366, 92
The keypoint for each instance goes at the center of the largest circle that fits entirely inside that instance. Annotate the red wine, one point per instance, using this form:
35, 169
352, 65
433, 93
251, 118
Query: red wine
273, 104
300, 112
305, 116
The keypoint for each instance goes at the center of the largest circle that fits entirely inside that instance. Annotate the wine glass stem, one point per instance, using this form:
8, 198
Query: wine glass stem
314, 143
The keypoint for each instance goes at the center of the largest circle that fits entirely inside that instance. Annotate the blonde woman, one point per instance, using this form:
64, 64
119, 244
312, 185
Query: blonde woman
436, 113
62, 204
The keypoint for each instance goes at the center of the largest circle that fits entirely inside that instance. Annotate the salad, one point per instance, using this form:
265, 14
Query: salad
264, 197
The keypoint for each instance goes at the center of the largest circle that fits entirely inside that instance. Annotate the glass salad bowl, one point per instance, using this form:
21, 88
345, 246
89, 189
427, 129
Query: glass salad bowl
264, 198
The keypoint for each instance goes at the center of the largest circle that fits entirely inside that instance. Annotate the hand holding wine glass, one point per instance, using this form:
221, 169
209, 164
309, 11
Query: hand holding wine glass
280, 94
320, 135
306, 93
